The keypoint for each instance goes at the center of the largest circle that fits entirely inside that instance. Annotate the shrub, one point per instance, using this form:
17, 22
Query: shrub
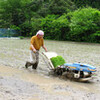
21, 37
55, 27
35, 26
25, 28
46, 24
60, 28
84, 22
57, 61
95, 37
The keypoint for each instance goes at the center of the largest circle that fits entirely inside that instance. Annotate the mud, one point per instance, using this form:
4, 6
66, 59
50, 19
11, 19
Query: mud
18, 83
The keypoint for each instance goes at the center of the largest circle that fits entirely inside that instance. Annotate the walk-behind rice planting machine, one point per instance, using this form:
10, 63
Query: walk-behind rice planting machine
75, 71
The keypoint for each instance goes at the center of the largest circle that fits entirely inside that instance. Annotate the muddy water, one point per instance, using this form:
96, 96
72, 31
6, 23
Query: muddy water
21, 84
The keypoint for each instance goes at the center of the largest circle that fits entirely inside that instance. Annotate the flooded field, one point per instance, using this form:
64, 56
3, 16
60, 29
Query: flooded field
18, 83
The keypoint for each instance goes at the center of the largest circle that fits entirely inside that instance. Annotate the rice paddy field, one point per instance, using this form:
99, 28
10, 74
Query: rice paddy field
18, 83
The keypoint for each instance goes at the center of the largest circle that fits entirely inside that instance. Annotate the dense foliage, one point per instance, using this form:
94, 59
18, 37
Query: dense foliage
59, 19
55, 27
85, 3
84, 23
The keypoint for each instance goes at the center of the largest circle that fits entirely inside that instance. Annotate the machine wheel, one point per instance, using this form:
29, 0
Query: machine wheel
58, 71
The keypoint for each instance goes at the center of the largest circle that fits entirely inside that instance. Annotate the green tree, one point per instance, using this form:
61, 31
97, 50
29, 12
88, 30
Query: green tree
18, 13
12, 11
85, 3
57, 7
60, 6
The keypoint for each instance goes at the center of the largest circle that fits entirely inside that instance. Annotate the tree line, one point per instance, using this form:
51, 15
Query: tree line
76, 20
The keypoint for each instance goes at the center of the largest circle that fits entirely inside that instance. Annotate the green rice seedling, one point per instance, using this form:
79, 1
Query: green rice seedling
57, 61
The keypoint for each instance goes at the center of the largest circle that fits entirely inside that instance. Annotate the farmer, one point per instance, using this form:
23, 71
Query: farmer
36, 42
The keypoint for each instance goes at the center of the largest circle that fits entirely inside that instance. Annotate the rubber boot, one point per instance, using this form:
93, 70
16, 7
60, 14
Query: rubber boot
28, 64
34, 66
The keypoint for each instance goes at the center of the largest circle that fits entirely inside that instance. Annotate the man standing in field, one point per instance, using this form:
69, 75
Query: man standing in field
37, 42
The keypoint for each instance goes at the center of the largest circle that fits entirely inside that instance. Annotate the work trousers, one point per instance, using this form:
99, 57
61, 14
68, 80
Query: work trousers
34, 57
